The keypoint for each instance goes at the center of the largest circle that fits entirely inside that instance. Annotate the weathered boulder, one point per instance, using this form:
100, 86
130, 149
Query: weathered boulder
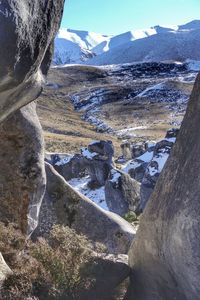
126, 150
136, 168
137, 150
160, 155
71, 166
131, 151
63, 205
122, 193
99, 161
26, 34
172, 133
109, 271
22, 176
164, 256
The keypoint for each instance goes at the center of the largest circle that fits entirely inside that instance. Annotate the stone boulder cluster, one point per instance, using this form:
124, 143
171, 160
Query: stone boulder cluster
129, 183
164, 259
147, 167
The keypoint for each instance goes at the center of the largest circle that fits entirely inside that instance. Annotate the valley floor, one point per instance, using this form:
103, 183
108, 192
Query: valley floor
137, 102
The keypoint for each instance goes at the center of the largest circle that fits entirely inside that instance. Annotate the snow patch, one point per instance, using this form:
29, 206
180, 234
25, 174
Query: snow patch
96, 195
115, 175
193, 65
87, 154
64, 161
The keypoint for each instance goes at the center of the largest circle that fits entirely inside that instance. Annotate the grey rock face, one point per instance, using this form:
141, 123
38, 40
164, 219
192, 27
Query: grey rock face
63, 205
22, 176
131, 151
172, 133
126, 150
138, 150
136, 168
160, 155
138, 171
164, 256
122, 193
109, 271
98, 161
71, 167
26, 34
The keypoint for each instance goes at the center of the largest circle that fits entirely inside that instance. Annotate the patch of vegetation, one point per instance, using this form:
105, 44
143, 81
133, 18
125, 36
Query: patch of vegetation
131, 217
53, 269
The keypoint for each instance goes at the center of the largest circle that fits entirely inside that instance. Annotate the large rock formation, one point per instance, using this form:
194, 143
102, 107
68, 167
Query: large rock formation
99, 161
63, 205
122, 193
71, 166
26, 34
109, 272
27, 30
161, 153
22, 176
164, 256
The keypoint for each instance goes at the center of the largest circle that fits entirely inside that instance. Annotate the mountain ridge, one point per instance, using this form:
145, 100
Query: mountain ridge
76, 46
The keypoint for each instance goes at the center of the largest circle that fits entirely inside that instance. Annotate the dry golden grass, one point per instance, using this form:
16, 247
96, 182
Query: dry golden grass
66, 132
156, 117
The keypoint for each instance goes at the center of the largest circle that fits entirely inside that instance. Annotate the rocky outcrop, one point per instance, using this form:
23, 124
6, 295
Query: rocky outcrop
97, 96
98, 161
147, 167
122, 193
26, 34
131, 151
160, 155
71, 166
165, 256
63, 205
109, 272
22, 176
136, 168
126, 150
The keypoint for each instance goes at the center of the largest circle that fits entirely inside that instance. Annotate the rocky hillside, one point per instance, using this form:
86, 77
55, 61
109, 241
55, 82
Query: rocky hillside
122, 186
138, 102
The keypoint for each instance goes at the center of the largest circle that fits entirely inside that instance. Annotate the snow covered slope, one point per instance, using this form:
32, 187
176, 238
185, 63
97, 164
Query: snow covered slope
177, 45
122, 39
74, 46
154, 44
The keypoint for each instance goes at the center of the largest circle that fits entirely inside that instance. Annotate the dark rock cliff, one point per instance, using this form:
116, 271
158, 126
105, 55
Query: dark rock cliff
26, 33
164, 256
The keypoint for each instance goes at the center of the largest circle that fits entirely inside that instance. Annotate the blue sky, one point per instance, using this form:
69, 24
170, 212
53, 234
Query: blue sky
117, 16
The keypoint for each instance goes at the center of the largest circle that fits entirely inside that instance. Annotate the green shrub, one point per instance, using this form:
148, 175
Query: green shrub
130, 217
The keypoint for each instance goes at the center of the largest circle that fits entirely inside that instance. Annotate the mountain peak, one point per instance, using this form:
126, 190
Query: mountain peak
195, 24
151, 44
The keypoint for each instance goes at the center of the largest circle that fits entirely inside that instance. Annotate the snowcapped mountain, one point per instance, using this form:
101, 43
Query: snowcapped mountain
74, 46
121, 39
176, 43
